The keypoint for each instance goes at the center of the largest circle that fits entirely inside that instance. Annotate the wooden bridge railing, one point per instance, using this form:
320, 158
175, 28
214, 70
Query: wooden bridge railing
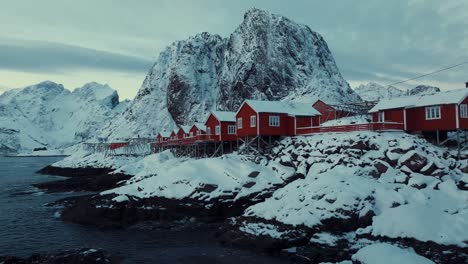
385, 126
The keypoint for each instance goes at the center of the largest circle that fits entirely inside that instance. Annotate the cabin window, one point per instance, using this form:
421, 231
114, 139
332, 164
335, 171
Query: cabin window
231, 130
191, 134
381, 117
208, 130
198, 132
464, 111
253, 121
218, 130
433, 112
239, 122
274, 121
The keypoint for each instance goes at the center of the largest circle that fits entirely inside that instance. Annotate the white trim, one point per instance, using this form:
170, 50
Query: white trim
457, 121
463, 111
253, 118
258, 125
430, 115
231, 128
272, 118
404, 119
295, 126
220, 130
381, 117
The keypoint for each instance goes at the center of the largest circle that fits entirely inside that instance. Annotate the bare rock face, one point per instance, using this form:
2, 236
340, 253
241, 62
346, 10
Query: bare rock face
267, 57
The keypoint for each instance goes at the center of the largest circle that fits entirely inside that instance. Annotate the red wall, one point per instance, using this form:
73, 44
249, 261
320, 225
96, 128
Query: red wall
328, 112
180, 134
224, 131
282, 130
194, 130
416, 119
212, 122
172, 135
391, 115
245, 112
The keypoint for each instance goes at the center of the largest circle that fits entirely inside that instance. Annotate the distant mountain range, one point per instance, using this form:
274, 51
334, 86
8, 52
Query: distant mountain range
374, 91
48, 115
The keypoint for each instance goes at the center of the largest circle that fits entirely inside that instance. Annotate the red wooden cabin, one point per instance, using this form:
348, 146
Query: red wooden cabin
274, 118
221, 126
163, 136
442, 111
183, 132
328, 112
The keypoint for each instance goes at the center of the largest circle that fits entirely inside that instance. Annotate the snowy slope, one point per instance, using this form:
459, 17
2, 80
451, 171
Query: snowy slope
360, 187
48, 115
374, 91
267, 57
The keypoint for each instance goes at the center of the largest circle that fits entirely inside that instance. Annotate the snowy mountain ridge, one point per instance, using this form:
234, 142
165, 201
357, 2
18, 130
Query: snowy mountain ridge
267, 57
373, 91
48, 115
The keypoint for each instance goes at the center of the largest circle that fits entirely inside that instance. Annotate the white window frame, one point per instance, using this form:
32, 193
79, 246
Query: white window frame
274, 121
381, 117
464, 111
191, 134
208, 130
231, 130
433, 112
253, 121
239, 123
217, 130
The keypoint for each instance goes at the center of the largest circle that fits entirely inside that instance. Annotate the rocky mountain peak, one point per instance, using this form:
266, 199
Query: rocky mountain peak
267, 57
423, 89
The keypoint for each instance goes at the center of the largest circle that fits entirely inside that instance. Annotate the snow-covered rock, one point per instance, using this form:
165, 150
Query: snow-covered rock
267, 57
48, 115
335, 194
382, 253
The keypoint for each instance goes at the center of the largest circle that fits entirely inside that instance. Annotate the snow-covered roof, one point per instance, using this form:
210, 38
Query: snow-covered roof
224, 116
290, 108
440, 98
186, 129
165, 133
200, 126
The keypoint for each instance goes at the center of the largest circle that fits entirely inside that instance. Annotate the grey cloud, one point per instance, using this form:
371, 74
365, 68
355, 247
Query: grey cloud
41, 56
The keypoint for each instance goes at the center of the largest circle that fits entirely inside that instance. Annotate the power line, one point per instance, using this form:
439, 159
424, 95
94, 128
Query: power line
430, 73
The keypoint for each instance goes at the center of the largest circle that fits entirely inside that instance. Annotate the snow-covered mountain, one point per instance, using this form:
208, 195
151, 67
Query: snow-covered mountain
267, 57
48, 115
374, 91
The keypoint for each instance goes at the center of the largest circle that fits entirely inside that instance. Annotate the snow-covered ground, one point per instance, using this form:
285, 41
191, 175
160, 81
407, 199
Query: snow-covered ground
409, 188
350, 120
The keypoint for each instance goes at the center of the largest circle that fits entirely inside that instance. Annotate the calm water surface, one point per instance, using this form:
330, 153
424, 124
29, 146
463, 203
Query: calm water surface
27, 226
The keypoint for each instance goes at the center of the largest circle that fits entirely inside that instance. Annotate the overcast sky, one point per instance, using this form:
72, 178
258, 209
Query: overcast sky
116, 42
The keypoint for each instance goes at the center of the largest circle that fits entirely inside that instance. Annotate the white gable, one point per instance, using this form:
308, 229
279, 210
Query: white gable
440, 98
290, 108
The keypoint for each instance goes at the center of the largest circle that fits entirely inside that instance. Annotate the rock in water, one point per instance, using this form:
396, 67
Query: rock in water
267, 57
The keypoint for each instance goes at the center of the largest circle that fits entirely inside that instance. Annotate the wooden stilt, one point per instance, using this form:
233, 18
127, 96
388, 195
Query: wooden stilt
437, 137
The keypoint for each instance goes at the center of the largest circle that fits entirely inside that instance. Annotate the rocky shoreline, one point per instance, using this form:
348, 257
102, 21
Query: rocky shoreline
86, 179
414, 166
83, 256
